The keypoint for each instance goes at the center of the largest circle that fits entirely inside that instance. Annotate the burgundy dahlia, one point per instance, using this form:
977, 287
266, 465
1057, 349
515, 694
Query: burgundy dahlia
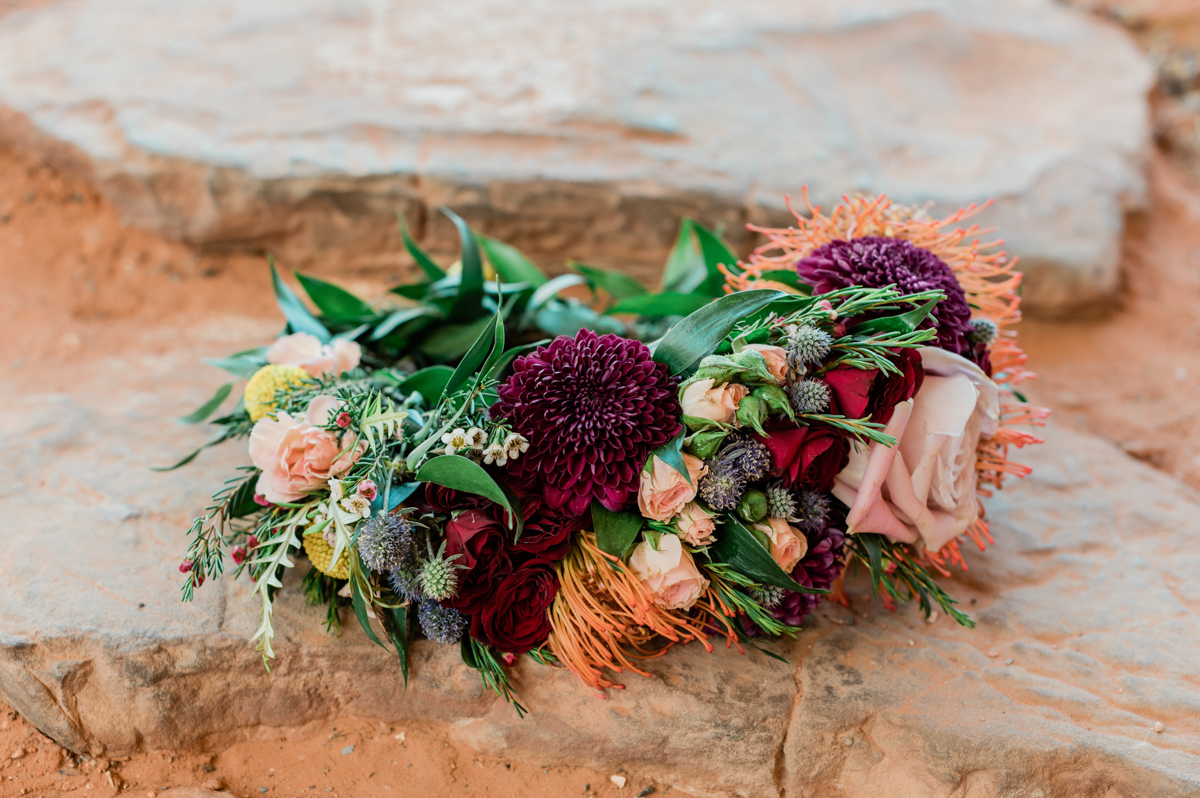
593, 408
877, 262
819, 567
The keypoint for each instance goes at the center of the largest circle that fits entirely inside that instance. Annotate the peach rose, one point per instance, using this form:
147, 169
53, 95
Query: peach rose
719, 403
664, 491
776, 357
318, 359
668, 573
295, 455
924, 488
696, 525
788, 544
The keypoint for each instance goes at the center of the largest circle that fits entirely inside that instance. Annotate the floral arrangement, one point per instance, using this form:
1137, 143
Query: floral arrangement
592, 481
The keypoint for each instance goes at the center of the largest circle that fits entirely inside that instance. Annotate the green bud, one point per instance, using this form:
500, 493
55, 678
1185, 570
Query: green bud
747, 367
705, 444
753, 506
752, 412
776, 399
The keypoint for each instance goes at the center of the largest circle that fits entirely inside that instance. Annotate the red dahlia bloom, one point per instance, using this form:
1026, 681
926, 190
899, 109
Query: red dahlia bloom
593, 408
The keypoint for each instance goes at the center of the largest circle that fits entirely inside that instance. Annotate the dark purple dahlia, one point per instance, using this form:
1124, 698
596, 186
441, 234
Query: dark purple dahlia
877, 262
593, 408
819, 567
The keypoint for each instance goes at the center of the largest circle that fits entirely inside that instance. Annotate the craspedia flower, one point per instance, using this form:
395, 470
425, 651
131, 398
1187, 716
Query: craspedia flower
811, 509
439, 574
592, 408
320, 554
806, 345
877, 262
441, 624
748, 455
808, 396
722, 487
385, 542
268, 381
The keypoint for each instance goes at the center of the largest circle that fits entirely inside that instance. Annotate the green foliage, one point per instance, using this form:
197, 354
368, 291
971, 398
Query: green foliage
468, 302
699, 334
618, 285
481, 658
380, 420
208, 408
671, 453
615, 531
510, 264
737, 547
299, 317
907, 579
427, 264
461, 473
334, 302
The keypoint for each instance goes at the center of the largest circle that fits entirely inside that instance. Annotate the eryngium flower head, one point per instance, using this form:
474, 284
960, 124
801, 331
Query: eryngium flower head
592, 408
439, 575
406, 581
806, 345
983, 331
780, 502
387, 541
820, 566
808, 396
768, 595
748, 455
811, 509
877, 262
722, 487
441, 624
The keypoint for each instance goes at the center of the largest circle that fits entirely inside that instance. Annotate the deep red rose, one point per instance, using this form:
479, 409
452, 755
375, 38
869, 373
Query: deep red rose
858, 393
516, 617
443, 500
482, 540
547, 532
808, 456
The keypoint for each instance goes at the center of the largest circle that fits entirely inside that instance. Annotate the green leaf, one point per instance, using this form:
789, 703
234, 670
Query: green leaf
395, 623
396, 318
360, 603
218, 438
413, 291
618, 285
788, 278
298, 316
474, 358
512, 354
550, 289
381, 420
469, 301
615, 531
429, 382
905, 322
671, 453
334, 301
427, 264
665, 304
685, 270
467, 652
208, 408
737, 546
242, 366
452, 341
715, 254
699, 334
568, 318
509, 263
874, 546
242, 503
497, 352
459, 473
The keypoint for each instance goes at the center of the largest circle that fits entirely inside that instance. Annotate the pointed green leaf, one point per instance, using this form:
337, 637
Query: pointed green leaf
699, 334
615, 531
395, 623
208, 408
509, 263
873, 543
715, 254
239, 366
429, 382
905, 322
427, 264
685, 270
671, 453
618, 285
737, 546
299, 317
484, 343
452, 341
398, 317
666, 304
469, 301
512, 354
360, 603
334, 301
413, 291
460, 473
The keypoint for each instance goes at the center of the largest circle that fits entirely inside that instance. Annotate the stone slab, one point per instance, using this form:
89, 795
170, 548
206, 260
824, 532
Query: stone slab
1090, 590
586, 129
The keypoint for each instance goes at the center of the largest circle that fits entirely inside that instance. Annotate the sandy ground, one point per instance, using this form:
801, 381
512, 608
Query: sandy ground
78, 284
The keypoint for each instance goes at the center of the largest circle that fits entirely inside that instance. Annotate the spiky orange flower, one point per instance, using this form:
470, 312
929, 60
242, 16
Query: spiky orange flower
987, 276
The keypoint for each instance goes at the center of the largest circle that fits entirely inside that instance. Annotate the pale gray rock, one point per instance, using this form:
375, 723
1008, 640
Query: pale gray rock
1090, 590
586, 129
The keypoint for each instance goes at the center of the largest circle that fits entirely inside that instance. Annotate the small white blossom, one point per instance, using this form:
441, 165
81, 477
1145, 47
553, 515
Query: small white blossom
515, 445
357, 506
336, 490
456, 440
477, 437
495, 454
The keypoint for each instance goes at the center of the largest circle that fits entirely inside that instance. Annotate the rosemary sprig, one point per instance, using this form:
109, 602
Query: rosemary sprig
875, 352
729, 583
861, 429
206, 548
906, 580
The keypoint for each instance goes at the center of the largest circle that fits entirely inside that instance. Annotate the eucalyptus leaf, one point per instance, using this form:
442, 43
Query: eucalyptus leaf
737, 546
334, 301
208, 408
299, 317
427, 264
242, 366
461, 473
666, 304
618, 285
615, 531
699, 334
510, 264
469, 300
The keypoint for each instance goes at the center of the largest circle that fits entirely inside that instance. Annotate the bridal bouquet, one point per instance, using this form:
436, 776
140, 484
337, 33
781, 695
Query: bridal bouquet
591, 479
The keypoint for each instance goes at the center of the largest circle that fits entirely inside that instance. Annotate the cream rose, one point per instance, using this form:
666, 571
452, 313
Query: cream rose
664, 491
668, 573
776, 357
924, 488
318, 359
718, 403
788, 544
696, 525
295, 455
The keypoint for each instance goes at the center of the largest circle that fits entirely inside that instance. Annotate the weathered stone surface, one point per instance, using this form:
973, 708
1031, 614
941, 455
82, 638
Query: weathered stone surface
586, 129
1090, 591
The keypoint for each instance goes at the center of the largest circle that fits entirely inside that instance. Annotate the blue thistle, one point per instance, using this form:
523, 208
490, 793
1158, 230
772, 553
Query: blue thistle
441, 624
386, 541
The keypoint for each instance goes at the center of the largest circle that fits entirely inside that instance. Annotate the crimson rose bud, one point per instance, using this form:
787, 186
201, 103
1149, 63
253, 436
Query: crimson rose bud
808, 456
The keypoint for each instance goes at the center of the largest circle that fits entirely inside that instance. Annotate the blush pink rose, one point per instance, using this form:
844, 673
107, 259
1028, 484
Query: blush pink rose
664, 491
719, 403
696, 525
296, 456
668, 573
923, 489
788, 544
776, 357
317, 359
